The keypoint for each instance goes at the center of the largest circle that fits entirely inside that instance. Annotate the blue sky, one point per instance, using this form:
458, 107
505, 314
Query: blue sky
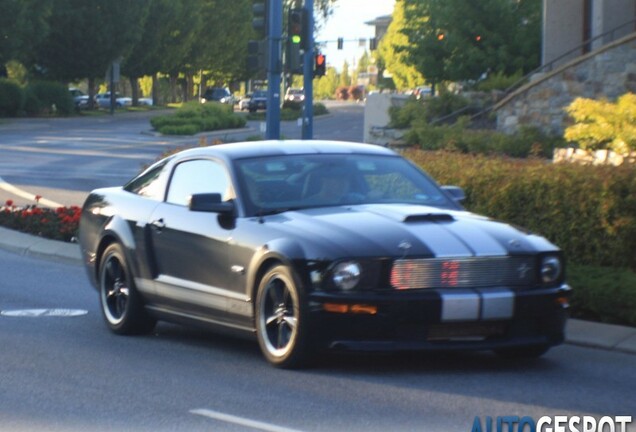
348, 22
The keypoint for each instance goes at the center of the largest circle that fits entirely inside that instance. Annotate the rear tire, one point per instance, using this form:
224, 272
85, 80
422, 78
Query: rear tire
121, 304
281, 319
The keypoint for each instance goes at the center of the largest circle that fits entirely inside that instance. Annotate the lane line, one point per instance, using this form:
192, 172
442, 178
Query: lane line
26, 195
241, 421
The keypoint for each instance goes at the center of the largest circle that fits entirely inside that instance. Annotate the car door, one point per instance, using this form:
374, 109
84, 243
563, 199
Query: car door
191, 248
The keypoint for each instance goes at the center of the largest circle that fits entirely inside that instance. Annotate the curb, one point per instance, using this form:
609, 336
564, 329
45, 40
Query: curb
609, 337
38, 247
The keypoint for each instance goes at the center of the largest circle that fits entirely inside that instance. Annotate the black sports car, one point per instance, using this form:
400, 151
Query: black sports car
310, 245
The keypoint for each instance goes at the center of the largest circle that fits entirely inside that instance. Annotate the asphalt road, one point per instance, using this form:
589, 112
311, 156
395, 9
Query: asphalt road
69, 373
63, 159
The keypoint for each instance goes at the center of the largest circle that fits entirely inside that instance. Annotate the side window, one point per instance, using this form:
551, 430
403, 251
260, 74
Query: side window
197, 176
148, 184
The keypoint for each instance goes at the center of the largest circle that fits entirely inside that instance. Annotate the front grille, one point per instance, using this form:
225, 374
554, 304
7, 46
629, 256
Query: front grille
478, 272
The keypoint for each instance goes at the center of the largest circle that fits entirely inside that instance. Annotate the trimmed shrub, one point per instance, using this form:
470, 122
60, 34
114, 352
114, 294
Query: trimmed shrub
10, 98
603, 294
320, 109
48, 98
499, 81
342, 93
195, 117
604, 125
527, 142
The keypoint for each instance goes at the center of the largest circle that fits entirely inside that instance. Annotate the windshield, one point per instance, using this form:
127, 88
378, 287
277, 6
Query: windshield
279, 183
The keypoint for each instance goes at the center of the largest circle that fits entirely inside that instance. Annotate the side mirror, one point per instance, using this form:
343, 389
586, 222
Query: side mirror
211, 203
455, 192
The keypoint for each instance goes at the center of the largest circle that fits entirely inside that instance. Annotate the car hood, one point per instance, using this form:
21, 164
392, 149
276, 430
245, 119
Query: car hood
401, 230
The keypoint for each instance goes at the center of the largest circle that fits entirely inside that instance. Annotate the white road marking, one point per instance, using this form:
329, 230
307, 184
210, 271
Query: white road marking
35, 313
241, 421
26, 195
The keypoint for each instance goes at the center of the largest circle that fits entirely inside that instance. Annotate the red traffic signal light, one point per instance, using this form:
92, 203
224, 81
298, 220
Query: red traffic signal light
320, 65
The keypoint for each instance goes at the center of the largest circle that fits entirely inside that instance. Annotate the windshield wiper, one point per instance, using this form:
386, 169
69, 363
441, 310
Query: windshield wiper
269, 212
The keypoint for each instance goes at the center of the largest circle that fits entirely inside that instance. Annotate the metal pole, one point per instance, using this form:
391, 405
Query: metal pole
112, 88
308, 75
272, 115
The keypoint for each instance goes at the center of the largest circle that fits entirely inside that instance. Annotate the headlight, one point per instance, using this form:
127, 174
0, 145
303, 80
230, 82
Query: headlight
346, 275
551, 269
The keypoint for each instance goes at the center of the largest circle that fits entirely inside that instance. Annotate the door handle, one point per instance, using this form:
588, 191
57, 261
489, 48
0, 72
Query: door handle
158, 224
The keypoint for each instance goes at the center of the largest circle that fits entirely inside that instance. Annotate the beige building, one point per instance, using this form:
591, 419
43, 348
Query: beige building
568, 24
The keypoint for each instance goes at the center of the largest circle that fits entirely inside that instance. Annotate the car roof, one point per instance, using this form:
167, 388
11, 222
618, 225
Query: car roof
252, 149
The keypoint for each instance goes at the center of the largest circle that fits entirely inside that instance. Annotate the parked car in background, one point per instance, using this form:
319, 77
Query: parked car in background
103, 100
318, 245
258, 101
145, 101
422, 92
294, 95
80, 99
244, 102
218, 94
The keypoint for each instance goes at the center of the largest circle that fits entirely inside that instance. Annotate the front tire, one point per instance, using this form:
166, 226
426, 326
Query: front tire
281, 315
121, 304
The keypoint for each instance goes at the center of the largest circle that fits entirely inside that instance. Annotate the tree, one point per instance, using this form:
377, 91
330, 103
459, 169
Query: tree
461, 40
87, 35
220, 49
23, 24
164, 45
405, 76
345, 79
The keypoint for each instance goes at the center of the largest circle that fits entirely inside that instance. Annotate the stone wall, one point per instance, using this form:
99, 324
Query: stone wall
606, 73
598, 157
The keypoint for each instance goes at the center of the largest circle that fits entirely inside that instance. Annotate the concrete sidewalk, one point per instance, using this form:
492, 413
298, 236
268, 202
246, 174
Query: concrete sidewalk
584, 333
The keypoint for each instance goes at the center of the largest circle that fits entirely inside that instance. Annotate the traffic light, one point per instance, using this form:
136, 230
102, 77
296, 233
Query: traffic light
297, 27
320, 65
296, 40
260, 18
340, 43
256, 57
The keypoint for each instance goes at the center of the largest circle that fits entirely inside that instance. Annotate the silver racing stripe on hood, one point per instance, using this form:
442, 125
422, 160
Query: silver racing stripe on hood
458, 239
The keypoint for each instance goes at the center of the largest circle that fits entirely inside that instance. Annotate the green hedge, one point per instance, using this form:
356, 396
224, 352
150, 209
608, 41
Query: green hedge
48, 98
195, 117
603, 294
589, 211
10, 98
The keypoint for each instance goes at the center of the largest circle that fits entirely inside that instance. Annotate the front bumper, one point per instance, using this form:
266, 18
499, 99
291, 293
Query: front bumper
439, 319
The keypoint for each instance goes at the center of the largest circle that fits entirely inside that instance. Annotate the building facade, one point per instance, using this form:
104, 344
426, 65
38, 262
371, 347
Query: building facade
569, 24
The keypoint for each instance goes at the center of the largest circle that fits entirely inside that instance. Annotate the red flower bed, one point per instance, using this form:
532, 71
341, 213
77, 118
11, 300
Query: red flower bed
61, 223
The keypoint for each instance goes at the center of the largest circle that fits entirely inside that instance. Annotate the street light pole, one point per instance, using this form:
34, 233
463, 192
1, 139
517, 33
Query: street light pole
308, 75
272, 116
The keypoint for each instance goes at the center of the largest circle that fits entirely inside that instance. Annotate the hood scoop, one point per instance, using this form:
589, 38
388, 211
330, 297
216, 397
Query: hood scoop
429, 217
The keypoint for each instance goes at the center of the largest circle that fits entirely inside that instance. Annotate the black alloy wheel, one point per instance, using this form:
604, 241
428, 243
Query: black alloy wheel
281, 319
122, 306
